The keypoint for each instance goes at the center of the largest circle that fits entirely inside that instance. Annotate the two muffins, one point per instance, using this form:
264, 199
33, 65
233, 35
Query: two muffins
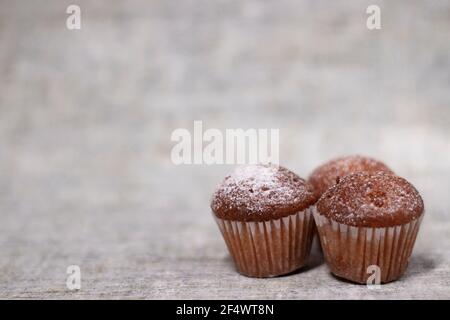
329, 173
365, 216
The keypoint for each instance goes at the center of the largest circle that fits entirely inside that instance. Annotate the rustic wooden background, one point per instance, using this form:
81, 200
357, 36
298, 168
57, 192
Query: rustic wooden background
86, 117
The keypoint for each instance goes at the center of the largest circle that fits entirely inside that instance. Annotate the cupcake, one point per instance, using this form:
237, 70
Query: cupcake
264, 214
369, 219
330, 172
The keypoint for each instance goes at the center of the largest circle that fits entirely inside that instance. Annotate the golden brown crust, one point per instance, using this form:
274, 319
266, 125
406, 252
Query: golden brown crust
261, 193
371, 200
326, 175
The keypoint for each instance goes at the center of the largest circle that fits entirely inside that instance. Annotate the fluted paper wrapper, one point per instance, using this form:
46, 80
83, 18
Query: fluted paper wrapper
349, 250
269, 248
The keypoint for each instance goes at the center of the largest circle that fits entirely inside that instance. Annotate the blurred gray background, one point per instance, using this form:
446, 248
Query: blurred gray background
86, 117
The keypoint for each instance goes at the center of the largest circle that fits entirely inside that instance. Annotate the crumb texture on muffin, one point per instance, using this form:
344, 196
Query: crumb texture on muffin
260, 193
371, 200
326, 175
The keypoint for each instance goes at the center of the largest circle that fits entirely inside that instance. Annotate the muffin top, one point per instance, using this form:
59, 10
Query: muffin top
330, 172
261, 193
371, 200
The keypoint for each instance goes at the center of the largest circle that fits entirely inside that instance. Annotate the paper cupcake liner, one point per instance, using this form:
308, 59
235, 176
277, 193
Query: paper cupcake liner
349, 250
316, 245
269, 248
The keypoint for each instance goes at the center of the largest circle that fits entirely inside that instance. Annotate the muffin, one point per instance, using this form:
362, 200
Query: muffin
264, 214
369, 219
330, 172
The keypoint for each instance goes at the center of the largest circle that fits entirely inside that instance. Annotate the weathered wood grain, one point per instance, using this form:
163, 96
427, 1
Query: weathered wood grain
86, 118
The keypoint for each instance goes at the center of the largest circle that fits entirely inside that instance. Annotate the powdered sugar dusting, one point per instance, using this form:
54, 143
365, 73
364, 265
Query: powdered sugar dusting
258, 190
371, 199
329, 173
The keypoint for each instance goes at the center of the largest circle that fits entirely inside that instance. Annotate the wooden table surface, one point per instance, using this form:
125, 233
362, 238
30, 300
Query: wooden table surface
86, 116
